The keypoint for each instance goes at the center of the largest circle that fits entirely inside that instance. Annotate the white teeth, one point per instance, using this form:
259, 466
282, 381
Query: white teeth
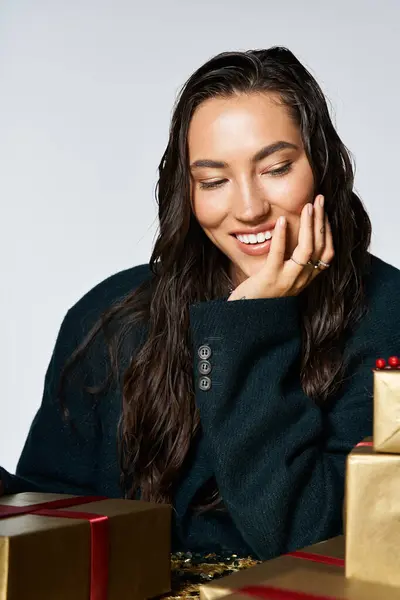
254, 239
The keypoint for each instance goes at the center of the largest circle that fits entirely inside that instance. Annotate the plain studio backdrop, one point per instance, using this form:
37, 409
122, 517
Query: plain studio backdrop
86, 92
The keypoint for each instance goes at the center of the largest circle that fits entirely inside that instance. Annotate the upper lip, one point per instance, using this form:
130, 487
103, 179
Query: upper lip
255, 230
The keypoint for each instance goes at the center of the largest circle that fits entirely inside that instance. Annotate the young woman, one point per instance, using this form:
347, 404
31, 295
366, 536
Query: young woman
231, 376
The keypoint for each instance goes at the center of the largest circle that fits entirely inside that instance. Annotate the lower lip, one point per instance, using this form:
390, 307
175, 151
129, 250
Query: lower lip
254, 249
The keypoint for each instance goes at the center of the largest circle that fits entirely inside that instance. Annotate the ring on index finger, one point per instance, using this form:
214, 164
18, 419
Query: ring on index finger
308, 263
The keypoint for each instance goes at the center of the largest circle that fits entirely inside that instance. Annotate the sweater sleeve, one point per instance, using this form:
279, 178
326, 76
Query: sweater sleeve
58, 457
278, 459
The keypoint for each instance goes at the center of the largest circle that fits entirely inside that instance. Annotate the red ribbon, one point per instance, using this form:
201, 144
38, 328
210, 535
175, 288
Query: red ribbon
365, 444
318, 558
99, 534
268, 592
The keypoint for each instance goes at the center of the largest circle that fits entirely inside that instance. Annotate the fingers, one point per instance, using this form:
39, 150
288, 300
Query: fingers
319, 228
329, 250
323, 246
327, 254
277, 250
304, 249
315, 243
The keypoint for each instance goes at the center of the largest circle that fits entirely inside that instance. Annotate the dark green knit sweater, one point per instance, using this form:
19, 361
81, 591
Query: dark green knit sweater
278, 460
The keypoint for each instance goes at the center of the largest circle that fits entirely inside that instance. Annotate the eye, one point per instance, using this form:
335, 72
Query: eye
281, 171
209, 185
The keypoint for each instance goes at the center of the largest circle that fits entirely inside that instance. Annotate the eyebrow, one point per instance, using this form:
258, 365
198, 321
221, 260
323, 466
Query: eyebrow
260, 155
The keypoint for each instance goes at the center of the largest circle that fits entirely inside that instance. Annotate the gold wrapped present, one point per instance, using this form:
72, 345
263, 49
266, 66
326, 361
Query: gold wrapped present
387, 410
373, 516
59, 547
341, 590
315, 573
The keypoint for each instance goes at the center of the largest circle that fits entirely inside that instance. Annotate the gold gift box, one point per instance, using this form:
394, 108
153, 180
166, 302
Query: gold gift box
387, 410
48, 558
296, 574
373, 516
345, 590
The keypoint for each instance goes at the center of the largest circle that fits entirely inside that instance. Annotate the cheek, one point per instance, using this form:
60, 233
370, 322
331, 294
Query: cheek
292, 194
209, 211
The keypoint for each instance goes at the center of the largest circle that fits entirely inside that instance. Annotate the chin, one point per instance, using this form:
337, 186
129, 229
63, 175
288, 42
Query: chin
251, 266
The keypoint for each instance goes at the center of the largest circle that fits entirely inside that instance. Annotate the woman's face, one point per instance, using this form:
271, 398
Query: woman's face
239, 184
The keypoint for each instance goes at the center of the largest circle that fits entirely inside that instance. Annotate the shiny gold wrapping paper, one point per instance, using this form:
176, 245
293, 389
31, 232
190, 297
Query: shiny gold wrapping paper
301, 576
373, 516
48, 558
312, 583
387, 410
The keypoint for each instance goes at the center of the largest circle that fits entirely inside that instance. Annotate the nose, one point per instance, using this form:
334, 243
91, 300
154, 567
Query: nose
250, 203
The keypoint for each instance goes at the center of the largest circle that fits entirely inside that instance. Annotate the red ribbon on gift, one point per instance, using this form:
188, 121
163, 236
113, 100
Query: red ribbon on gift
269, 592
365, 445
99, 534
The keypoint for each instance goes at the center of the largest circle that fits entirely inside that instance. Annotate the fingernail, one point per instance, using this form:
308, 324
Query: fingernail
321, 201
282, 221
310, 209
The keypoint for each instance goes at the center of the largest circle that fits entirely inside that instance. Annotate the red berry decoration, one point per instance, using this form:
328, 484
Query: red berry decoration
394, 361
380, 363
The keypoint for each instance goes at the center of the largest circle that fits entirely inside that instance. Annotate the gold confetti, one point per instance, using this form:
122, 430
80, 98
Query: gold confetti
190, 570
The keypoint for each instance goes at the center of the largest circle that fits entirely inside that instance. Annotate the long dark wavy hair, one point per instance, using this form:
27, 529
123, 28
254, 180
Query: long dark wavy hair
159, 419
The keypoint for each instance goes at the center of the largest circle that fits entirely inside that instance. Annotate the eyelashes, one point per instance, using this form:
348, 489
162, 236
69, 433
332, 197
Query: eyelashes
204, 185
209, 185
281, 171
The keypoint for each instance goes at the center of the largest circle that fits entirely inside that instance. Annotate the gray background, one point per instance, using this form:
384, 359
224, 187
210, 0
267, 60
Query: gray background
86, 91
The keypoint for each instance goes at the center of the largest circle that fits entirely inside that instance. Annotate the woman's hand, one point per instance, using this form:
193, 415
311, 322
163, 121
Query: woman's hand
280, 277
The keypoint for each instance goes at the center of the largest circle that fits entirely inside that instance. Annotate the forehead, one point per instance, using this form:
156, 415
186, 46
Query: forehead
222, 126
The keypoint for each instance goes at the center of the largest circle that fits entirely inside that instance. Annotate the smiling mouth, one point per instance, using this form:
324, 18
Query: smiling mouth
253, 239
253, 249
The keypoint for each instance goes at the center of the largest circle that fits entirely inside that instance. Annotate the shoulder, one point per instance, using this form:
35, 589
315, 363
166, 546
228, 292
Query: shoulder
382, 285
89, 308
381, 323
382, 272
